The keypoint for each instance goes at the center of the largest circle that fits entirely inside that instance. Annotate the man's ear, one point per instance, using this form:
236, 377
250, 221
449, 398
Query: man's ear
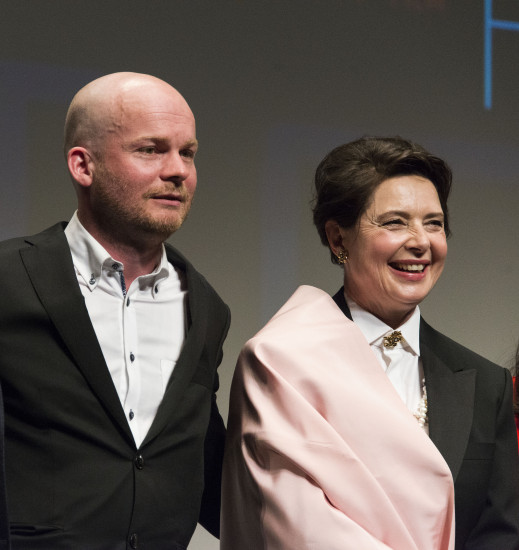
80, 165
335, 235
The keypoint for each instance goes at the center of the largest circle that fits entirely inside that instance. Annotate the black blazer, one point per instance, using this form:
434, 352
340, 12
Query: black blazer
471, 422
4, 520
75, 478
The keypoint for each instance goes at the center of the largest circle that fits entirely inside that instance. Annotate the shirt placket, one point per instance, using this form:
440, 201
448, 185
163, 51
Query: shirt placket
131, 357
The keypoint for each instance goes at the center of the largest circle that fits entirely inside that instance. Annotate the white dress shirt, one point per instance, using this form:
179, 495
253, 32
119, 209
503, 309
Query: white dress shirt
402, 363
140, 331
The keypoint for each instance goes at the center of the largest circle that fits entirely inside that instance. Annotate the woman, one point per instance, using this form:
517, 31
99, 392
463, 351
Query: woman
352, 422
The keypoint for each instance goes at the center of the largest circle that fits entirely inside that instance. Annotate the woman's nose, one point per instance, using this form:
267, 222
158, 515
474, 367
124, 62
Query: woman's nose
418, 239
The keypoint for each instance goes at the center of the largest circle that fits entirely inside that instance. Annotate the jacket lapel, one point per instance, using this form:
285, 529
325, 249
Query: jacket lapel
450, 395
196, 319
49, 265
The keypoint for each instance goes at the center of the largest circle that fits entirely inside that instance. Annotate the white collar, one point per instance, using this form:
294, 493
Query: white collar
374, 329
90, 257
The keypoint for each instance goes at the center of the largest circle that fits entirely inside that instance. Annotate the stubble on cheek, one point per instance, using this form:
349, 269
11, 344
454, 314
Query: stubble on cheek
119, 209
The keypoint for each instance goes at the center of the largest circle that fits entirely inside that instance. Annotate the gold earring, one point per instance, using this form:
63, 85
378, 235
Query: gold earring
342, 256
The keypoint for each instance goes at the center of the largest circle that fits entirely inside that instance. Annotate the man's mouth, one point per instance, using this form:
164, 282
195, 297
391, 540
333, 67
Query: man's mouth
168, 197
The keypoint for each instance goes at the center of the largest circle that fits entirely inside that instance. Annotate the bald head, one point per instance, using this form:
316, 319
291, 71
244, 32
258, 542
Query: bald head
97, 109
130, 143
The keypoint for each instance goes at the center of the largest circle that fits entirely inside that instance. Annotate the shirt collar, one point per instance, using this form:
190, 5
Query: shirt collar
90, 258
374, 329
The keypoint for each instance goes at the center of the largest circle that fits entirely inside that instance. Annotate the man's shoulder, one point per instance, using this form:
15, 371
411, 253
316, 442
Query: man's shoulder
52, 234
176, 257
194, 277
179, 261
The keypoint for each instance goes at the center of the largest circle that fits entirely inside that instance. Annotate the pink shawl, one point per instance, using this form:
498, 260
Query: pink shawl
322, 454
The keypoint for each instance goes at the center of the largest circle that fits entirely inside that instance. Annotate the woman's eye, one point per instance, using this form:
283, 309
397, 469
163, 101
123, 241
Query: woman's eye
396, 221
436, 223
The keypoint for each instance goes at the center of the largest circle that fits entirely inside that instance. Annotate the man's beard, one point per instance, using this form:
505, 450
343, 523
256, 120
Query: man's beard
122, 219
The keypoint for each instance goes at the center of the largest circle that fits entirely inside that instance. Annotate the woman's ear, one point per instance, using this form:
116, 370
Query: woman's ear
335, 235
80, 166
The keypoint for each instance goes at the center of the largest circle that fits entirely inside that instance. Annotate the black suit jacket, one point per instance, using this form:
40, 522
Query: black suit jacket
471, 423
75, 478
4, 519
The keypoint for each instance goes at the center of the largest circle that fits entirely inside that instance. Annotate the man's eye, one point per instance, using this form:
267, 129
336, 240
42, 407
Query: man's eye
189, 153
147, 150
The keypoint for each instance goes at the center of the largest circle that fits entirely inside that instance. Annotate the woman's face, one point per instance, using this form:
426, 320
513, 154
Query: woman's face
398, 249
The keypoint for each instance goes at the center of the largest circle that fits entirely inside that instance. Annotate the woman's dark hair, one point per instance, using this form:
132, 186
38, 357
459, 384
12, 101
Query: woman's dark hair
347, 177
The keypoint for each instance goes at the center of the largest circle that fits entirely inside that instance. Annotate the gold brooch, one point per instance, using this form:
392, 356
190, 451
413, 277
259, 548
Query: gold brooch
392, 340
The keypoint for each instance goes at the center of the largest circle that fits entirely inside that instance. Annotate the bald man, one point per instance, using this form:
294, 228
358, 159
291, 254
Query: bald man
111, 340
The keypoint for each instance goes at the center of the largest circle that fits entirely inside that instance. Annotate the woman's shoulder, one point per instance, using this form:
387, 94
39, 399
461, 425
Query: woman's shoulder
303, 313
454, 354
308, 325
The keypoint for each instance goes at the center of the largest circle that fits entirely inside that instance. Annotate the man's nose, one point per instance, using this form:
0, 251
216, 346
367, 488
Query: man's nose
174, 167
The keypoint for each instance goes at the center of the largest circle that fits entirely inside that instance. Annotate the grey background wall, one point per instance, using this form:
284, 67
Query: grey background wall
274, 86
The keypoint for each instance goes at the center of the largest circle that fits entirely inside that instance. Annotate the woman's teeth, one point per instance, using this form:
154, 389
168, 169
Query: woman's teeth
409, 267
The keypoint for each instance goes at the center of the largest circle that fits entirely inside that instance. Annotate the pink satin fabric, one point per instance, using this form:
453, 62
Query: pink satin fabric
322, 454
